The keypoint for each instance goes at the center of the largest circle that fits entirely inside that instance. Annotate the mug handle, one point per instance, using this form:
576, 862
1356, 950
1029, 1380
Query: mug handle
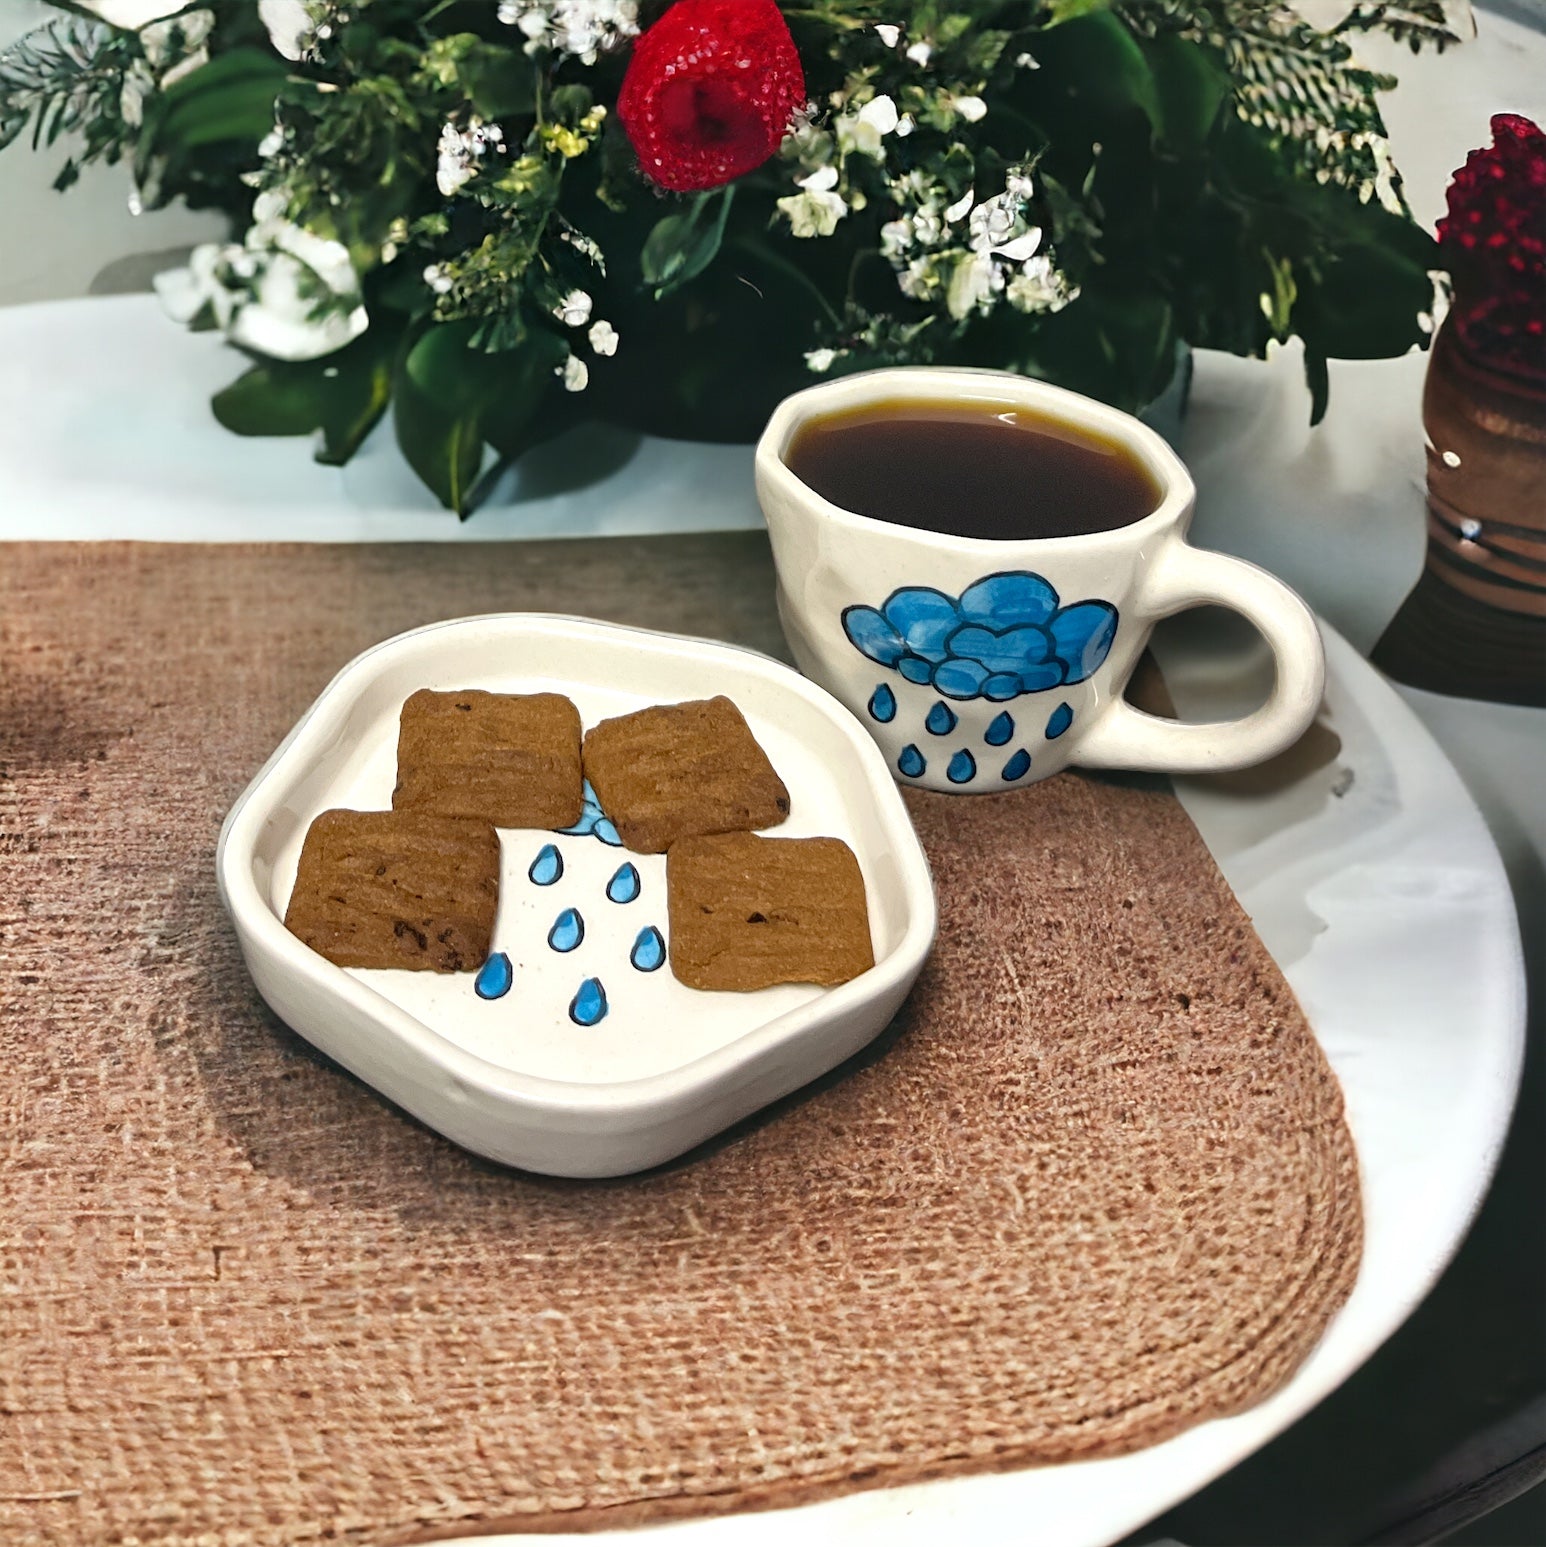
1124, 737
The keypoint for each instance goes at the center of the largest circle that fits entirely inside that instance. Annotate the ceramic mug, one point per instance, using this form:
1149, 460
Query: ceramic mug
979, 663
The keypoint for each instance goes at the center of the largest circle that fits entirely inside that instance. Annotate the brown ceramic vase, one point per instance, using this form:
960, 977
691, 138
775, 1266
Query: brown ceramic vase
1475, 625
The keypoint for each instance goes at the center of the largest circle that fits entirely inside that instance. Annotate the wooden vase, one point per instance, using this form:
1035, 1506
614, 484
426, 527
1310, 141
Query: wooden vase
1475, 625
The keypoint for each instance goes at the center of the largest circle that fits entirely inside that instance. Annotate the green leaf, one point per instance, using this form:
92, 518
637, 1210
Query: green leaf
500, 82
1060, 11
450, 399
682, 246
342, 395
1114, 74
230, 98
1191, 86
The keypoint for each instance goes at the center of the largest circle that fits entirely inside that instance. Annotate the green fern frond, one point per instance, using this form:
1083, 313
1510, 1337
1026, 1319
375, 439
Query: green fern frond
59, 77
1300, 85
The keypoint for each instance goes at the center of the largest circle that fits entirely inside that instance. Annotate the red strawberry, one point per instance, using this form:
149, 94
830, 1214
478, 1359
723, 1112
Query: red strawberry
710, 91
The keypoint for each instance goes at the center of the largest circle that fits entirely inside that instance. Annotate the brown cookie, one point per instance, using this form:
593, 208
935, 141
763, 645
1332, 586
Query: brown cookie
397, 889
747, 912
675, 770
510, 759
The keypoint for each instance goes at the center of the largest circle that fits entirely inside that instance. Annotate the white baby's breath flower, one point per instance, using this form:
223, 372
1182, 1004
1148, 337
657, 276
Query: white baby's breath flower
973, 285
581, 29
889, 35
905, 125
574, 310
1027, 62
291, 26
188, 293
862, 132
1039, 287
603, 337
817, 208
459, 151
972, 109
820, 360
575, 373
438, 280
957, 210
921, 53
271, 143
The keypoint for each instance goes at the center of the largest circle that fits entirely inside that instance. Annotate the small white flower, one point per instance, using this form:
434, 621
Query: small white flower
438, 280
816, 210
960, 207
291, 26
575, 373
863, 131
580, 29
269, 205
972, 109
1039, 287
574, 310
975, 281
889, 35
905, 125
459, 150
820, 360
138, 83
603, 338
1027, 62
271, 143
920, 54
187, 293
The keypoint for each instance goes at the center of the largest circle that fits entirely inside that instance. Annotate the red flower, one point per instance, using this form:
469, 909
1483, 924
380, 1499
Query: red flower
1494, 245
710, 91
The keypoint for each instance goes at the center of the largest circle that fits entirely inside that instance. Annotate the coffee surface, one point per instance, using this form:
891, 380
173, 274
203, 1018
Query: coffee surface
972, 470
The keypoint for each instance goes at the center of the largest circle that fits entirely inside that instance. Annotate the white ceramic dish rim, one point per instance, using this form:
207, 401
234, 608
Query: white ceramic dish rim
252, 915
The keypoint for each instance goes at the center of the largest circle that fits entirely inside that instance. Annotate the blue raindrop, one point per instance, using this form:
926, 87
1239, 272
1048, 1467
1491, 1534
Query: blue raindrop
589, 1005
1000, 730
1017, 767
962, 769
607, 833
548, 866
567, 932
1062, 717
649, 950
883, 704
624, 885
494, 977
911, 762
941, 720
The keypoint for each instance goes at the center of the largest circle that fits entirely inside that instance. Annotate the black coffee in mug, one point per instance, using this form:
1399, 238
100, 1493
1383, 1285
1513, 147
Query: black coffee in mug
972, 470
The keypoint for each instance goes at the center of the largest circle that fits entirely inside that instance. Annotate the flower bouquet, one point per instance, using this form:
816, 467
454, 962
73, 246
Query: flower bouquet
497, 217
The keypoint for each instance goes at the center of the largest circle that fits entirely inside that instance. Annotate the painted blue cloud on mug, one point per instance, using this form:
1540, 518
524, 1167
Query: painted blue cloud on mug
1005, 635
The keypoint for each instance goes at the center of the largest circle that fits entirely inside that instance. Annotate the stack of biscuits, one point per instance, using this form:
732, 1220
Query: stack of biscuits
418, 886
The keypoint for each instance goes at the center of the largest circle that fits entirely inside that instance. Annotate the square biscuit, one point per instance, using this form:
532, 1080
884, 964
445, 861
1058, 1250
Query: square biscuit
747, 912
397, 889
676, 770
510, 759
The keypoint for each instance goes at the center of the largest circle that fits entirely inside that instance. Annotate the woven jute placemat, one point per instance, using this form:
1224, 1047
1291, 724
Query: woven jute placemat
1093, 1186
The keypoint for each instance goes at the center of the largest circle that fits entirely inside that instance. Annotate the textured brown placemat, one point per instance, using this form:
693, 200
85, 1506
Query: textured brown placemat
1094, 1186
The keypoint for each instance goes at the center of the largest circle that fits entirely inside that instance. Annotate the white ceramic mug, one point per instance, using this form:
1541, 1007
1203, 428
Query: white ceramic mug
978, 663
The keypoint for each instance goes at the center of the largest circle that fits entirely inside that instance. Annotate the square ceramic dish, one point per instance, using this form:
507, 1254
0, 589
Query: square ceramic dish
590, 1059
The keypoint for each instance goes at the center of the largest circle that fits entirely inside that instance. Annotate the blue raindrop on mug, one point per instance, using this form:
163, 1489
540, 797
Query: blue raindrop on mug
589, 1004
649, 950
941, 720
883, 704
1061, 718
548, 866
911, 762
1002, 728
494, 977
624, 885
567, 932
962, 769
1017, 767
